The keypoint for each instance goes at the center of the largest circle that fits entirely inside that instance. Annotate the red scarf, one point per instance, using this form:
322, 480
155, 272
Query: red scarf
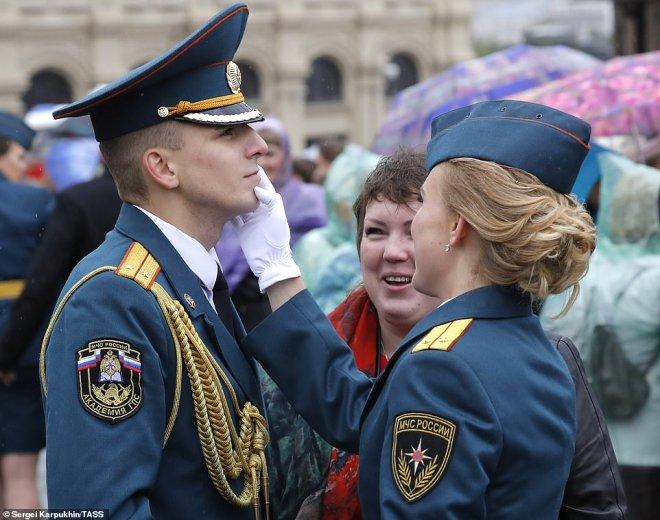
356, 321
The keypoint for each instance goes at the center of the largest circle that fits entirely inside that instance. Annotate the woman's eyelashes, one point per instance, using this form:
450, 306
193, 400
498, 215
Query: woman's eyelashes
370, 231
375, 231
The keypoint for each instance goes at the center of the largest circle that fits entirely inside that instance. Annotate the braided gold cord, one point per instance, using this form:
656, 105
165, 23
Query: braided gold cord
228, 454
177, 388
183, 107
215, 426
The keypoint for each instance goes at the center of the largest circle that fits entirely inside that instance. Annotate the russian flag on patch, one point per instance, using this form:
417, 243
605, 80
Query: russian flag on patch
130, 363
89, 361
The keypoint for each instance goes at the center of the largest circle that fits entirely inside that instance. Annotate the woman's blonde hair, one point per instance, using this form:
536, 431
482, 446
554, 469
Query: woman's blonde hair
535, 238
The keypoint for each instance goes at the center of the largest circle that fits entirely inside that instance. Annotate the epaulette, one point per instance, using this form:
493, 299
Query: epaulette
11, 289
443, 337
139, 265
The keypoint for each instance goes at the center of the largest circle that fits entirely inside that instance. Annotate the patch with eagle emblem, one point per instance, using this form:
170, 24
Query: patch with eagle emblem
109, 379
421, 447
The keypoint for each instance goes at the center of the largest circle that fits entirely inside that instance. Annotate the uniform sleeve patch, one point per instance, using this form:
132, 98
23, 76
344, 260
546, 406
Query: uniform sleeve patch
443, 337
421, 447
109, 379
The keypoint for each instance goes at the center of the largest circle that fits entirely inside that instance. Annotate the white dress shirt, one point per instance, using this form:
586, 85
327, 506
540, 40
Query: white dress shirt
200, 261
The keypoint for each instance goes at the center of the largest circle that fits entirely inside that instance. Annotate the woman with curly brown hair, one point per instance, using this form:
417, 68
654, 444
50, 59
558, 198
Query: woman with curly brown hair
474, 416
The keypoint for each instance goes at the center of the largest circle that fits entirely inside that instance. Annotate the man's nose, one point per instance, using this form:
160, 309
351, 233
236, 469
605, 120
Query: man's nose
257, 145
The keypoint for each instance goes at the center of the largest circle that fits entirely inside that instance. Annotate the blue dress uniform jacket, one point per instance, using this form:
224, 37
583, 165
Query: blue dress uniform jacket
83, 214
123, 466
481, 426
24, 211
23, 215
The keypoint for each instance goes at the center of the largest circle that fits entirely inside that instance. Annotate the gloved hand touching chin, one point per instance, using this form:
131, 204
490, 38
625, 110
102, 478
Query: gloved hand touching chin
264, 236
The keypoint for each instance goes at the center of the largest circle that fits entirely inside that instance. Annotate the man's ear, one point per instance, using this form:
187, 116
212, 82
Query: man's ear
159, 166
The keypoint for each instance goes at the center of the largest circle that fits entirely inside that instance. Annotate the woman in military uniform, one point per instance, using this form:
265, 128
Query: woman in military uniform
474, 416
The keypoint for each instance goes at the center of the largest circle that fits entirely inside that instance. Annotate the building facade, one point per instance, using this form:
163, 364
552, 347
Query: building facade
637, 23
587, 25
325, 67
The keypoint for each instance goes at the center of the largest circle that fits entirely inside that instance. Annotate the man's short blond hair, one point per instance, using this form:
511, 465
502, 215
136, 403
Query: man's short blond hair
123, 156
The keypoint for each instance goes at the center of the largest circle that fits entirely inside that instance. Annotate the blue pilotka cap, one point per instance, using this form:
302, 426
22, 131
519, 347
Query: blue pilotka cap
13, 128
543, 141
194, 81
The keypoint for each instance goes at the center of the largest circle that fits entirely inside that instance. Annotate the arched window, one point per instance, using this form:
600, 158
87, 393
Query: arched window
401, 72
250, 82
325, 81
47, 86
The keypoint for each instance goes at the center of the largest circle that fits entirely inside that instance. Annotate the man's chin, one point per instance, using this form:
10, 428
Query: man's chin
249, 207
245, 203
255, 203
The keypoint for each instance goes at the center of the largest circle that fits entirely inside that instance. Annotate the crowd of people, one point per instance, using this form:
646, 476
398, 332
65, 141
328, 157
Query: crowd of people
194, 322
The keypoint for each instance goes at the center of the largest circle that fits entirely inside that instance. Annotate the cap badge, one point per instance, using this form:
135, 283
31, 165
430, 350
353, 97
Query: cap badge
234, 77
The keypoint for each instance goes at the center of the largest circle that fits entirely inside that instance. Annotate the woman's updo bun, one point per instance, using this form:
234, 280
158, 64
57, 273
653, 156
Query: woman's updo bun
534, 237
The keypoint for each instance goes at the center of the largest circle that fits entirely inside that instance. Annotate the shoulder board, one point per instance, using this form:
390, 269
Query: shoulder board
443, 337
139, 265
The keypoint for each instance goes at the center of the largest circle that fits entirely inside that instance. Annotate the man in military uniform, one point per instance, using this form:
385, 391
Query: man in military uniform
152, 410
24, 211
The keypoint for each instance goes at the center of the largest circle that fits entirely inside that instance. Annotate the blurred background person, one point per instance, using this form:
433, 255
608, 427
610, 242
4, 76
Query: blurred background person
305, 209
304, 203
67, 148
71, 159
342, 185
82, 216
328, 151
615, 323
23, 215
303, 169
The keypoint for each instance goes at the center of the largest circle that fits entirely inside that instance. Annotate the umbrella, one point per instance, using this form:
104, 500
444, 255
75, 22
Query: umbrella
619, 97
495, 76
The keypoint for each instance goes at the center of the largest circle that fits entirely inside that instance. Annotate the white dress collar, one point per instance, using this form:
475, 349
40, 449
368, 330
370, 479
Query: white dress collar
200, 261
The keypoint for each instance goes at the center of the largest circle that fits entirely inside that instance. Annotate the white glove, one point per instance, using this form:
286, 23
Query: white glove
264, 236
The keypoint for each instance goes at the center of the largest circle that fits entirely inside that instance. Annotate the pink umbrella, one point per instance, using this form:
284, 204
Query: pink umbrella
619, 97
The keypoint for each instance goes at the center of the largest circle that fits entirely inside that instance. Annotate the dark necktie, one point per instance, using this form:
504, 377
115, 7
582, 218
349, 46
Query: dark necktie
222, 302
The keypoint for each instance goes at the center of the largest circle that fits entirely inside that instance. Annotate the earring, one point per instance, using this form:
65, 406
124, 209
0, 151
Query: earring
447, 248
